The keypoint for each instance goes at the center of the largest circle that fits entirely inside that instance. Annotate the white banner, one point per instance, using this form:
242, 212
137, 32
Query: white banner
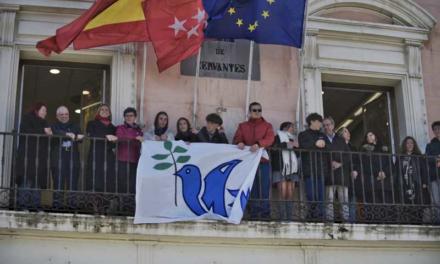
180, 182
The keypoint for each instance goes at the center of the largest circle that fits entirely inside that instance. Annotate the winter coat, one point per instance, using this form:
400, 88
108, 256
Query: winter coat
338, 151
218, 137
433, 154
187, 137
314, 161
276, 158
101, 158
129, 148
149, 135
32, 150
255, 131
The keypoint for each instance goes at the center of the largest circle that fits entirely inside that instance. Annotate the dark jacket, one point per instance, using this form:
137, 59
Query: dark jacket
410, 171
433, 154
338, 151
276, 159
373, 160
314, 161
187, 137
34, 149
64, 144
218, 137
101, 158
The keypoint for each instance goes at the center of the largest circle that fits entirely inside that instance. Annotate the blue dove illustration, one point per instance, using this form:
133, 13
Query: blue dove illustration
215, 184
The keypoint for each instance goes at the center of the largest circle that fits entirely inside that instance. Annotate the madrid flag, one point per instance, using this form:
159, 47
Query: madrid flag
180, 182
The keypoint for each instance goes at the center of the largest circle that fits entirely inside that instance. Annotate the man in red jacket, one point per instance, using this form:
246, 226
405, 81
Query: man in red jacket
257, 133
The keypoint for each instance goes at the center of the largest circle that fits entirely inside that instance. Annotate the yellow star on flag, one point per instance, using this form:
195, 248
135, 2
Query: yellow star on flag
270, 1
252, 27
231, 11
265, 14
239, 22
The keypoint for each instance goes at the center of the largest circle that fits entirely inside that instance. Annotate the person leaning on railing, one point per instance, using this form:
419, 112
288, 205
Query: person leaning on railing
101, 158
64, 158
31, 165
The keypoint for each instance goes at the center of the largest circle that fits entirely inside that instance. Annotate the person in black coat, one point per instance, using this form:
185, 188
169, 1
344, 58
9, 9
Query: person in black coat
32, 157
314, 163
184, 131
101, 169
376, 181
433, 155
65, 156
338, 178
211, 133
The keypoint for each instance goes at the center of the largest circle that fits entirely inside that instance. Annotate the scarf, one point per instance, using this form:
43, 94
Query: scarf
105, 120
290, 162
160, 131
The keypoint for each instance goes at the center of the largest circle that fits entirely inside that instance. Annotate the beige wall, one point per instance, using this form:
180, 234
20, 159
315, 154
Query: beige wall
431, 63
277, 91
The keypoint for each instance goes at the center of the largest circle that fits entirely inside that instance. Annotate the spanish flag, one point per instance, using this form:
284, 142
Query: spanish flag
107, 22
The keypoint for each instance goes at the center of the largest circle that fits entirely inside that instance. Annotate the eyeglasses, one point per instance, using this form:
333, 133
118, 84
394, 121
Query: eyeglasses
257, 110
129, 115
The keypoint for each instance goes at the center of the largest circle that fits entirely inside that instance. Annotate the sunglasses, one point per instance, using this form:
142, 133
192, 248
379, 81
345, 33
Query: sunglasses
257, 110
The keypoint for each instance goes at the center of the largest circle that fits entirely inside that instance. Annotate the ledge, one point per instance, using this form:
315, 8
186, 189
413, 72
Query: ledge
279, 233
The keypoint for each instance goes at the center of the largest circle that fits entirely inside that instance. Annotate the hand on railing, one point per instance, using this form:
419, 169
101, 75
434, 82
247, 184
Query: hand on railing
71, 135
381, 176
48, 131
354, 174
320, 143
111, 138
336, 165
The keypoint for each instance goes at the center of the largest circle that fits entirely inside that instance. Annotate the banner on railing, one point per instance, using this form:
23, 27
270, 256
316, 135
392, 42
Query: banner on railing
180, 182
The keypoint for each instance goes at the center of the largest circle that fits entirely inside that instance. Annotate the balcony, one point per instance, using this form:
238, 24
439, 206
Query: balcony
88, 180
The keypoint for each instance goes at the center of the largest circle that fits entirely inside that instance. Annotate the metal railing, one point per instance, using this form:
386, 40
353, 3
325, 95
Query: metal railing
58, 174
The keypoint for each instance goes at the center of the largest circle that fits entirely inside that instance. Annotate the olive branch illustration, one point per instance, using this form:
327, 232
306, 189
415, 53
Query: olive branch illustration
168, 145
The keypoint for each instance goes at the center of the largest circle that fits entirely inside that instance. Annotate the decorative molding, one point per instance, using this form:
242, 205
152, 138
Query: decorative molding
405, 11
7, 24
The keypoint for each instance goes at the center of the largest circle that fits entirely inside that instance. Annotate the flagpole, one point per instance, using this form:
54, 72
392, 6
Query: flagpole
301, 97
144, 74
249, 79
196, 88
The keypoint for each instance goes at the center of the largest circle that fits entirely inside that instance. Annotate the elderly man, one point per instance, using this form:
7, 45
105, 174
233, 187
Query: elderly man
64, 157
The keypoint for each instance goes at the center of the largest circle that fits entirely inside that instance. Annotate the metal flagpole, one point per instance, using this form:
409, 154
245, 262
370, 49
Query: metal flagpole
249, 79
301, 96
144, 74
196, 88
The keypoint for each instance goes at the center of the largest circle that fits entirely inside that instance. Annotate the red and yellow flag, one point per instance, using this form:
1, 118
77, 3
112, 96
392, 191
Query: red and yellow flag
107, 22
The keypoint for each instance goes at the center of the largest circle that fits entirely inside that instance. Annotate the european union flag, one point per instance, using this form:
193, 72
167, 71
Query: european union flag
264, 21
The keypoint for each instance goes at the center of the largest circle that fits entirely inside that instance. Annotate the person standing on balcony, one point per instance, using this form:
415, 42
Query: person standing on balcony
433, 153
212, 133
184, 131
32, 168
101, 158
160, 131
314, 164
64, 160
285, 167
130, 137
355, 161
411, 183
257, 133
338, 178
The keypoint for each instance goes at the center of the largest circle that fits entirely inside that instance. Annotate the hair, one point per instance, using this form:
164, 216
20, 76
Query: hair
187, 122
329, 118
130, 110
99, 109
214, 118
365, 141
341, 131
253, 104
435, 124
36, 107
313, 117
285, 125
61, 107
416, 146
156, 119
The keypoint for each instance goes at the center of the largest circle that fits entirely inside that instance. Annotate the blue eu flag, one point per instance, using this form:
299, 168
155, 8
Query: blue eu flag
264, 21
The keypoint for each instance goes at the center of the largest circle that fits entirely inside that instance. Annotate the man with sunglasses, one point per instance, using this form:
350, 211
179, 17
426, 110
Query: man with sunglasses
257, 133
